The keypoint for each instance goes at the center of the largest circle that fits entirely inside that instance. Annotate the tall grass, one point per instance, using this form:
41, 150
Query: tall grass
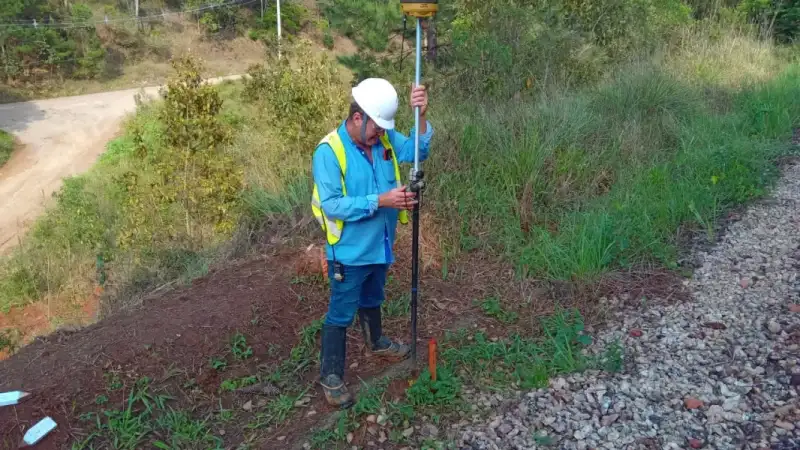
722, 57
571, 185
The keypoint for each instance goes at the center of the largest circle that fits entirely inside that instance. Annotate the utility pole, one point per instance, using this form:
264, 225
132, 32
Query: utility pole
136, 13
278, 14
262, 10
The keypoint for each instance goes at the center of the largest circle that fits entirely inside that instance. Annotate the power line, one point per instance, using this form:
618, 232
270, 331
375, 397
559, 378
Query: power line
106, 21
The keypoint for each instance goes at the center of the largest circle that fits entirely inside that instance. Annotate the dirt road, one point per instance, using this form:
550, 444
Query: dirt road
61, 137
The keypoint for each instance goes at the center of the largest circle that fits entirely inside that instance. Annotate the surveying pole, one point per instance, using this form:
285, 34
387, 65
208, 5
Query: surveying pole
278, 15
420, 10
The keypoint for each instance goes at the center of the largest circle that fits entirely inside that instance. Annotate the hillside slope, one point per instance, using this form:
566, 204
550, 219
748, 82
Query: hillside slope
236, 352
60, 138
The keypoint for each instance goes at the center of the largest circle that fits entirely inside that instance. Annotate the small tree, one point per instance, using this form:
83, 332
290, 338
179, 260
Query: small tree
194, 174
302, 102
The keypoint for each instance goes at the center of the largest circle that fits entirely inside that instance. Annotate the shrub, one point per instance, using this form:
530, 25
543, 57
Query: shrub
776, 18
504, 47
191, 177
302, 103
215, 19
34, 52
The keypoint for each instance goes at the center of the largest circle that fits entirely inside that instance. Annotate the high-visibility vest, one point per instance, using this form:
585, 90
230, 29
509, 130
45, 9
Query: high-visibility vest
333, 228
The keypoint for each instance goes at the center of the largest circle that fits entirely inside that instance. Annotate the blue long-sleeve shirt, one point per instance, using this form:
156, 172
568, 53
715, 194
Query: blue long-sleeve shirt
369, 232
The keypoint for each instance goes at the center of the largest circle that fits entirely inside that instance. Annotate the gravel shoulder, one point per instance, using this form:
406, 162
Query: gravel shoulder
59, 138
719, 371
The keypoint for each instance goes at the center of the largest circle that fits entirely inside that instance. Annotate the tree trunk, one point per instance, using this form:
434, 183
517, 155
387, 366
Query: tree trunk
431, 54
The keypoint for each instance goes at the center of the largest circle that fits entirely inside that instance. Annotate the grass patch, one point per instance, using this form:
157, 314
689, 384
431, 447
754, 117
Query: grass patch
6, 146
492, 308
146, 419
522, 362
399, 307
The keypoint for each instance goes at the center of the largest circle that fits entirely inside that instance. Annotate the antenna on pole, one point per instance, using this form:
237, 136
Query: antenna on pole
420, 10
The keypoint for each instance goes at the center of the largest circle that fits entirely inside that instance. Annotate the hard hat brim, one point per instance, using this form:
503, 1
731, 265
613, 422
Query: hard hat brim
385, 124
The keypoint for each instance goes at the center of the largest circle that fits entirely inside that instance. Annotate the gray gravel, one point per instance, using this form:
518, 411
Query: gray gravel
720, 371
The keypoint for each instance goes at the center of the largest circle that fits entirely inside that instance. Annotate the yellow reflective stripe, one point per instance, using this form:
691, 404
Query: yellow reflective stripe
403, 214
388, 145
396, 170
337, 146
333, 229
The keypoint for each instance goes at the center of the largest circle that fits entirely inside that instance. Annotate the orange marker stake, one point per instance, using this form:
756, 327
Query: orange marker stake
432, 358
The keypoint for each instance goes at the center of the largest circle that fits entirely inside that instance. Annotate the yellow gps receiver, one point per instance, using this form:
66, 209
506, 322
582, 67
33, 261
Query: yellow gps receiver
419, 9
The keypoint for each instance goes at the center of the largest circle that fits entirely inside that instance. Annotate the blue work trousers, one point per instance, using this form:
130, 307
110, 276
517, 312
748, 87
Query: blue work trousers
362, 287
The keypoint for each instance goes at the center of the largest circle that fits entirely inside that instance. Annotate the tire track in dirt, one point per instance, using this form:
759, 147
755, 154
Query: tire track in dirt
60, 137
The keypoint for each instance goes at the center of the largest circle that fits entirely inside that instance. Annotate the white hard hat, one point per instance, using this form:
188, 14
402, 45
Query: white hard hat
378, 99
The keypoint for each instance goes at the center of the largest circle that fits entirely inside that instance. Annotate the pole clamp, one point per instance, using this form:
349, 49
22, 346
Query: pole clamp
416, 184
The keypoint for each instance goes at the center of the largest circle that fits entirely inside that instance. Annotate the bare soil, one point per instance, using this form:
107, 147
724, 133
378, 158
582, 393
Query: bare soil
176, 334
171, 340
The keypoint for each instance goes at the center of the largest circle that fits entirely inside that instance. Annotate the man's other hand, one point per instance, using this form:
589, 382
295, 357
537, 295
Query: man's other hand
397, 198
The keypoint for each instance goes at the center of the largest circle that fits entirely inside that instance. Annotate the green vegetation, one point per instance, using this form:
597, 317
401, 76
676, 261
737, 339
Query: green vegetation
523, 362
48, 47
606, 177
239, 347
574, 138
474, 360
6, 146
146, 418
73, 51
570, 150
192, 182
399, 307
368, 23
188, 177
9, 340
492, 308
294, 17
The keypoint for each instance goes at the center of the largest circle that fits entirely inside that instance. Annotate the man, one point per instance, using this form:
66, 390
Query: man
358, 200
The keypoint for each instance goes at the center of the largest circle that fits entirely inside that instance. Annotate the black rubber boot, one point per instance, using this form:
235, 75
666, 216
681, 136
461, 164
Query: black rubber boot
370, 321
378, 344
334, 346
